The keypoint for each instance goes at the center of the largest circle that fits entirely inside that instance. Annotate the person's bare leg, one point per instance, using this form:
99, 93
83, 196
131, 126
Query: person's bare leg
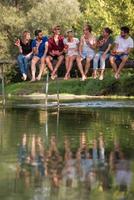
59, 62
113, 64
71, 60
78, 60
121, 66
101, 74
95, 73
33, 67
49, 63
87, 66
42, 66
67, 61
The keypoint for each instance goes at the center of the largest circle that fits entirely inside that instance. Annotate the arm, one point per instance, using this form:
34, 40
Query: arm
114, 51
28, 55
128, 50
35, 46
46, 49
81, 45
17, 43
92, 46
106, 51
35, 50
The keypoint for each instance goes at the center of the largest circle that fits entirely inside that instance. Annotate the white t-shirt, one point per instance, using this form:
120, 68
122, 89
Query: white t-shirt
124, 44
72, 46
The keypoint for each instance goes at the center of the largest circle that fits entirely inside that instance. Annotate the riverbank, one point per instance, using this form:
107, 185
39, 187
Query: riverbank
75, 88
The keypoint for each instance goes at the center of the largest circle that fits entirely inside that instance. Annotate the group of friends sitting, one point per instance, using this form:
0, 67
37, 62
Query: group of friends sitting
45, 49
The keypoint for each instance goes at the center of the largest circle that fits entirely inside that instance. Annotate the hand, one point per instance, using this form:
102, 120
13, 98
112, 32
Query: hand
113, 52
27, 56
88, 43
65, 48
17, 43
103, 56
37, 44
56, 52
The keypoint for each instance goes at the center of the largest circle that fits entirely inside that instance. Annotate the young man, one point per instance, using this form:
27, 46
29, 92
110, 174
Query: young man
40, 48
55, 51
123, 45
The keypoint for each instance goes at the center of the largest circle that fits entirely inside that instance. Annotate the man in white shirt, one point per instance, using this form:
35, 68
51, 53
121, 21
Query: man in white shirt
123, 45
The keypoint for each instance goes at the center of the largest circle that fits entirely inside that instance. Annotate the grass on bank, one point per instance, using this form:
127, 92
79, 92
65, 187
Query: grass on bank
109, 86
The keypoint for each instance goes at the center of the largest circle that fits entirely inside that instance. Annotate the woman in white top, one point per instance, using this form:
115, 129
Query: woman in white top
87, 46
71, 48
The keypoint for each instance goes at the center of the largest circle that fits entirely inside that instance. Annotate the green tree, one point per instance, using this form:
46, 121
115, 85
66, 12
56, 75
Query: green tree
101, 13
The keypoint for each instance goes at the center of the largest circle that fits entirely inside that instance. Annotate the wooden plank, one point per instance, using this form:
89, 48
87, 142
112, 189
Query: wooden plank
129, 63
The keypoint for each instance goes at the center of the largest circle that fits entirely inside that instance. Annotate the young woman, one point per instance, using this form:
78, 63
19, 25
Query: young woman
71, 47
104, 44
25, 53
87, 46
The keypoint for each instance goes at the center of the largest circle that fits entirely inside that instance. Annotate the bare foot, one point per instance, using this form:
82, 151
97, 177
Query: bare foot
117, 76
53, 76
38, 78
83, 78
33, 80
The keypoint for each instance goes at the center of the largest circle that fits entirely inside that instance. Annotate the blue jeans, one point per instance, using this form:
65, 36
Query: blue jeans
23, 63
97, 57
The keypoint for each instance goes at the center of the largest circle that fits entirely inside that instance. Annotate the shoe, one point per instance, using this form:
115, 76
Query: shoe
24, 77
101, 77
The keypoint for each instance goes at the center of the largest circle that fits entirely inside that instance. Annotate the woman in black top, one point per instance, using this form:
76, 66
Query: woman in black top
104, 45
25, 49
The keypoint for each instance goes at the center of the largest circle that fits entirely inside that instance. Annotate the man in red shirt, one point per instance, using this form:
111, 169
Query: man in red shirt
55, 51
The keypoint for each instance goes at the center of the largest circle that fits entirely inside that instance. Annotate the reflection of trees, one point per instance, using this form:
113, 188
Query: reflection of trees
114, 123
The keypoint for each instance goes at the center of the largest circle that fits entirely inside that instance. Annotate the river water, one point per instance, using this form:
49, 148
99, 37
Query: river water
84, 150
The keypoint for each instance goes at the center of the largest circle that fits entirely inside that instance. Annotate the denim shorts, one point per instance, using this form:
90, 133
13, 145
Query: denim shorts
120, 56
87, 54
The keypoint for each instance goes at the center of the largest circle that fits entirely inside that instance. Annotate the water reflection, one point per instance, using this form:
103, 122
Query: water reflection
73, 171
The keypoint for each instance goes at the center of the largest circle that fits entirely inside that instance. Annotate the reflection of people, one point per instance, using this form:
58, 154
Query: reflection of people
123, 173
70, 168
123, 45
25, 53
40, 48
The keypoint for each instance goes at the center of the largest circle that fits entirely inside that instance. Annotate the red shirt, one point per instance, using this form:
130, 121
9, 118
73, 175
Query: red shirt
53, 46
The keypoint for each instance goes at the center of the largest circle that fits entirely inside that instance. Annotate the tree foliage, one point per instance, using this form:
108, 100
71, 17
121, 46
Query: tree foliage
20, 15
101, 13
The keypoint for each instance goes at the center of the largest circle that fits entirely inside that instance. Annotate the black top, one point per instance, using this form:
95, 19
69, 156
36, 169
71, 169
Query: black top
105, 44
26, 48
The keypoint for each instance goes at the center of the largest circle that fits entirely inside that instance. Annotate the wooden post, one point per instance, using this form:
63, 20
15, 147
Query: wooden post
46, 89
58, 99
3, 85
